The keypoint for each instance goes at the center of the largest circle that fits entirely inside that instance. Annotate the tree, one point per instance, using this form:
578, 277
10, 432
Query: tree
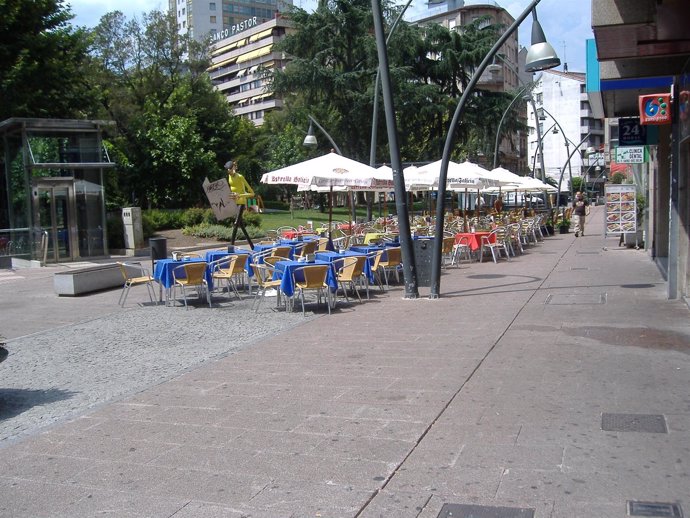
173, 128
42, 61
333, 67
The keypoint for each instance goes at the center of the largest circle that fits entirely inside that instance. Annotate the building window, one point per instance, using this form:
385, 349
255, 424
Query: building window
183, 11
540, 98
213, 19
212, 6
184, 24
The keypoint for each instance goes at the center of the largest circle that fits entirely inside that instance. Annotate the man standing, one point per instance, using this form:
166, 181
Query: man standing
241, 188
580, 212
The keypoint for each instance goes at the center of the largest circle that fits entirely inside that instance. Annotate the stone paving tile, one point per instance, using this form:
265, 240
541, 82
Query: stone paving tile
309, 499
46, 468
399, 504
268, 441
38, 499
125, 504
435, 479
121, 476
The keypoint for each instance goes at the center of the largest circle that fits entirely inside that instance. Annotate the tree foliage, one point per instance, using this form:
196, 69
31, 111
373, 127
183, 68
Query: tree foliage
42, 61
173, 128
333, 69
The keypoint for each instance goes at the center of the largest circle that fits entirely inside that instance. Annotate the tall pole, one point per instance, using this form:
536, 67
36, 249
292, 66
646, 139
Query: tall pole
540, 144
409, 266
560, 180
377, 82
518, 95
445, 159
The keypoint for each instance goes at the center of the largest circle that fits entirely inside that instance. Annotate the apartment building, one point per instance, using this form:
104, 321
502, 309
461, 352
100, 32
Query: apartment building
239, 62
221, 19
567, 125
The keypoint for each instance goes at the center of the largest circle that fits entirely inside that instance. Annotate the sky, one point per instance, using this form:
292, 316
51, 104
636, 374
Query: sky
566, 24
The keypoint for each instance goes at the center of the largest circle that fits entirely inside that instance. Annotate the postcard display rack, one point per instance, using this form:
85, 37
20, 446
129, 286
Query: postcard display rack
621, 209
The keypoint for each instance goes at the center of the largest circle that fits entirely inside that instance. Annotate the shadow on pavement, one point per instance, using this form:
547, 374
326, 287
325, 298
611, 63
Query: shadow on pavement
15, 401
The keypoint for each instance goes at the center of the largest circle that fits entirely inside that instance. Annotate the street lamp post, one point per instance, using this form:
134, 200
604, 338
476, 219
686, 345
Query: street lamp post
518, 95
310, 141
539, 57
408, 260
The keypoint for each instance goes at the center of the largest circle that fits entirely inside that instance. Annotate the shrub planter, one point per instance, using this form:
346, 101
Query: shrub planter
564, 230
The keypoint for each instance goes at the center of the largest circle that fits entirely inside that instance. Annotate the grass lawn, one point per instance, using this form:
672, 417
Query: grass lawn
273, 220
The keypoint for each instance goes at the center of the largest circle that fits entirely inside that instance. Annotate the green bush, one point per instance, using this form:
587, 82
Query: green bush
116, 231
251, 219
220, 232
193, 216
159, 219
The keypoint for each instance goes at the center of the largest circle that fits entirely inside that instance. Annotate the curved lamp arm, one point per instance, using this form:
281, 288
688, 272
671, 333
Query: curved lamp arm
445, 159
518, 95
560, 180
335, 146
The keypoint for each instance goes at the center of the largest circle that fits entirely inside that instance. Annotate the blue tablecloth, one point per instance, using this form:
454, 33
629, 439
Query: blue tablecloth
366, 249
296, 242
335, 258
164, 268
284, 271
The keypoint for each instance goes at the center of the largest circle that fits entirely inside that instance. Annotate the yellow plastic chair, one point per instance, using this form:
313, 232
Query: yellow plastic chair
223, 270
351, 273
281, 251
307, 248
263, 275
447, 251
390, 263
191, 275
375, 259
323, 244
313, 278
238, 271
135, 275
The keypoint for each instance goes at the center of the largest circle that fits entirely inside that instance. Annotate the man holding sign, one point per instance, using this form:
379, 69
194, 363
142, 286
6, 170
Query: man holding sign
242, 191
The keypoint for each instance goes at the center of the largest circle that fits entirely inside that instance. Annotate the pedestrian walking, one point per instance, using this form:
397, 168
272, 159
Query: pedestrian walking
580, 213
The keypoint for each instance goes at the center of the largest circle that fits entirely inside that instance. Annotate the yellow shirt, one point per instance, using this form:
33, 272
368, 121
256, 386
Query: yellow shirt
241, 187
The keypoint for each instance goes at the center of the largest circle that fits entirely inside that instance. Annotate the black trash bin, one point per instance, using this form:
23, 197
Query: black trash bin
159, 248
423, 252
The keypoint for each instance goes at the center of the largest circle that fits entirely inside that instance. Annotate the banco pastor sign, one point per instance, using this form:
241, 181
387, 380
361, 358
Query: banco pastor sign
235, 29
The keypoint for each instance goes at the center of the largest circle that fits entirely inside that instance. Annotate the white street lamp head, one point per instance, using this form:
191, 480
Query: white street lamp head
541, 55
310, 139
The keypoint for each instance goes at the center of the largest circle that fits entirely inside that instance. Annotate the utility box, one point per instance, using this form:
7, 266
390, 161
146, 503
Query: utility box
134, 230
423, 253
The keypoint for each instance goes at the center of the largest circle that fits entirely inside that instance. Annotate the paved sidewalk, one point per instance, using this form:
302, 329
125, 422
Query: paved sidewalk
493, 395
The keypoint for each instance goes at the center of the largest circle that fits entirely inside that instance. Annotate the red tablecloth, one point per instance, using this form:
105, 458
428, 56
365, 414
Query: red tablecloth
294, 234
474, 239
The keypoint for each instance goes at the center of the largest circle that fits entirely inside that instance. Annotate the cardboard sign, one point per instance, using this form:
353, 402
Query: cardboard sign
221, 198
655, 109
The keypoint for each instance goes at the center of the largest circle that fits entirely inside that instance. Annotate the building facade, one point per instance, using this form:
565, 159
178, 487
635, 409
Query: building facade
502, 76
567, 126
220, 19
239, 63
642, 48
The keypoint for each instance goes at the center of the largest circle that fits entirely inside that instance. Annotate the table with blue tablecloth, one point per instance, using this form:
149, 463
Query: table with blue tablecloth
336, 258
284, 270
163, 273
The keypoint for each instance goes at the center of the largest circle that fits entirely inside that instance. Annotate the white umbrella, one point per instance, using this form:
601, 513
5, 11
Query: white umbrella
328, 170
420, 178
